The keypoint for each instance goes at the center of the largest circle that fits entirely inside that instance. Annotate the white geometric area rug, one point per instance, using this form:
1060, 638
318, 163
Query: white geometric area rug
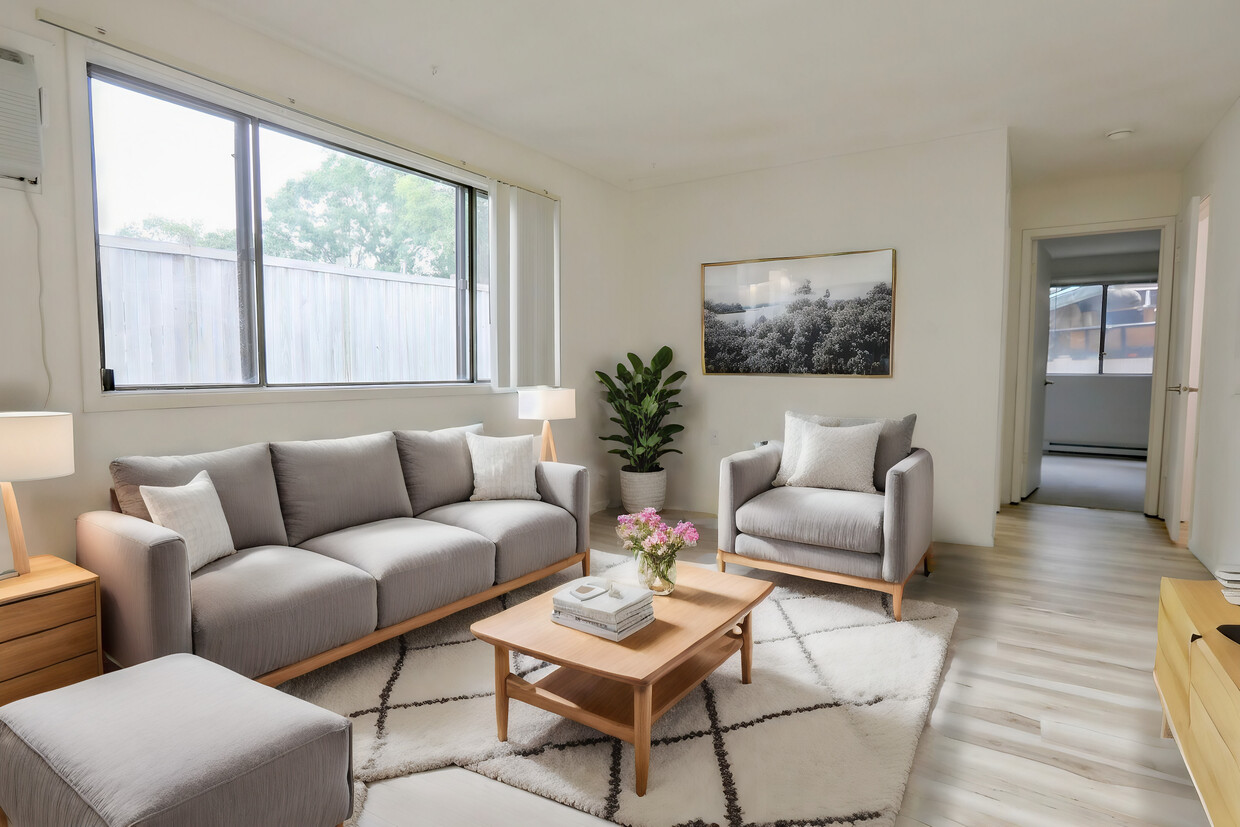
824, 735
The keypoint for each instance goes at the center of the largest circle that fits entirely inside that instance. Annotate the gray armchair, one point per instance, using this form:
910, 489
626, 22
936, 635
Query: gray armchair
872, 541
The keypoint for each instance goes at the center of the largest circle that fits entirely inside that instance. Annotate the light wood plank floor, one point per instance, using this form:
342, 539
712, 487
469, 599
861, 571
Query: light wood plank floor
1047, 714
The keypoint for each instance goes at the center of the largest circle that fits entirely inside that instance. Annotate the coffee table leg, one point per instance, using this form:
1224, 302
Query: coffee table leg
502, 664
641, 734
746, 647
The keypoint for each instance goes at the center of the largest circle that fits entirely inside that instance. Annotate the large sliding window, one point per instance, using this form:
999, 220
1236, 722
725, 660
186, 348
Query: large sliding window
237, 252
1102, 328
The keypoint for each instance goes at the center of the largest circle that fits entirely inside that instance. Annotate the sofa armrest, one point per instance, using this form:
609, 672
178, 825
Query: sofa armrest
742, 477
908, 514
144, 583
567, 486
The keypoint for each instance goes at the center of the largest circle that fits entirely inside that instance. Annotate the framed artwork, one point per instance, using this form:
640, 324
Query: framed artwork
825, 315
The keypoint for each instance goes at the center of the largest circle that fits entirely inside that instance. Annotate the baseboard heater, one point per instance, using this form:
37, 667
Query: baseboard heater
1095, 450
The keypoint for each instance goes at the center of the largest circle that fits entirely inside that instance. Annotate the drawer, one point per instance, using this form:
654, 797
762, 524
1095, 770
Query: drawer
1212, 765
1219, 698
33, 652
47, 611
49, 678
1173, 688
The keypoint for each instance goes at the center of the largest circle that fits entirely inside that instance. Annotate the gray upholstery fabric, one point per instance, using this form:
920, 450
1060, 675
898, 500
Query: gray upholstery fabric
436, 466
418, 565
528, 534
813, 557
894, 444
242, 476
144, 585
847, 520
267, 607
176, 742
567, 486
329, 484
742, 477
908, 523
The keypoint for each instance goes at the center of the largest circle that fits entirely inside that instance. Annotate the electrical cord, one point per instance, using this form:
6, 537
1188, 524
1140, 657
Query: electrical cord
38, 266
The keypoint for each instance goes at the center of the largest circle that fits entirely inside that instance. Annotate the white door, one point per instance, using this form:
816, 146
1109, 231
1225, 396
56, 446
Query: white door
1184, 373
1037, 376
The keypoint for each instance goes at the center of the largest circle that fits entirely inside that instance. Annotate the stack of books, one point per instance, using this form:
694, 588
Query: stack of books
1230, 578
608, 610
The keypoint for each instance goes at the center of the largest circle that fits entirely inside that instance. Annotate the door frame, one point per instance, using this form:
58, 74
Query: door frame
1024, 353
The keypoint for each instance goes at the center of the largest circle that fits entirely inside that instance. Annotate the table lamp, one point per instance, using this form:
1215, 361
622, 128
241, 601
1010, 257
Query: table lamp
547, 404
34, 445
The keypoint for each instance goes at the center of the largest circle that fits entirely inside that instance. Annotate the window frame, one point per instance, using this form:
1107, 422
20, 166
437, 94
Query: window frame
215, 96
1105, 285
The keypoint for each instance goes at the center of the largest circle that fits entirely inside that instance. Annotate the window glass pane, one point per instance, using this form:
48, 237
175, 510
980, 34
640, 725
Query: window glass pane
359, 267
1075, 335
482, 280
166, 198
1130, 328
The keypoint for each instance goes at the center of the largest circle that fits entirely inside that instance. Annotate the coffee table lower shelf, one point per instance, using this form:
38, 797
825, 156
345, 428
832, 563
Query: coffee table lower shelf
622, 710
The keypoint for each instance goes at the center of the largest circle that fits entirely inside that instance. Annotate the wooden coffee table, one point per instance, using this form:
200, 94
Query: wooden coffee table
622, 688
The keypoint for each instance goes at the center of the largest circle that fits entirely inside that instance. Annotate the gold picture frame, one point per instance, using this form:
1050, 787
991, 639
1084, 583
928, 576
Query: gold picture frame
823, 315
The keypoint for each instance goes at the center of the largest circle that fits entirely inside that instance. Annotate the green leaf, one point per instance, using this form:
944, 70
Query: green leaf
661, 359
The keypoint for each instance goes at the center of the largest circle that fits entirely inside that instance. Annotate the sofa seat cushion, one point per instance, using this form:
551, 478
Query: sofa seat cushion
270, 606
848, 520
528, 535
418, 565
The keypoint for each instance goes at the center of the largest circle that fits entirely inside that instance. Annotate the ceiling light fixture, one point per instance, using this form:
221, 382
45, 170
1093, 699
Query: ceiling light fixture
1119, 134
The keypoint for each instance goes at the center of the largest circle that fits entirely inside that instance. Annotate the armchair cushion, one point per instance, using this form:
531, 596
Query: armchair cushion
847, 520
894, 444
796, 425
840, 458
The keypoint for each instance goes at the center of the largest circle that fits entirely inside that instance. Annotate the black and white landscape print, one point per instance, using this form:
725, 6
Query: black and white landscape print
829, 315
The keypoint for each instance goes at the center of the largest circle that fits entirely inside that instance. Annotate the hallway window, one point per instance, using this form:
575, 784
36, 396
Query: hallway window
1102, 328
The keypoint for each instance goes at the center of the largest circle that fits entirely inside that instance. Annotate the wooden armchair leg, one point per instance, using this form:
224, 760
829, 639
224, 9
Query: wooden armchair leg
897, 601
722, 566
927, 561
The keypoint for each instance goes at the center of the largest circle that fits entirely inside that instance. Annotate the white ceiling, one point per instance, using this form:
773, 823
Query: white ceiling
649, 92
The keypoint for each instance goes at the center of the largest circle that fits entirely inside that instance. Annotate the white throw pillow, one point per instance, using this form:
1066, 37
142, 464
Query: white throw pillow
841, 458
503, 467
192, 510
795, 426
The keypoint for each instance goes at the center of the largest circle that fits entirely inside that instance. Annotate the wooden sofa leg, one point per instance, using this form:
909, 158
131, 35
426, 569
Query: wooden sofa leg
897, 601
928, 561
722, 566
585, 564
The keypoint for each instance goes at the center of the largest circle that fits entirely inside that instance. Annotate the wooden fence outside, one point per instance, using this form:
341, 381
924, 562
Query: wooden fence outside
172, 316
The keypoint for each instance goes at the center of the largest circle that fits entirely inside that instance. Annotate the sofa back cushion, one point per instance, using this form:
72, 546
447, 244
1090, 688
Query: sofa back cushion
438, 470
329, 484
243, 478
894, 444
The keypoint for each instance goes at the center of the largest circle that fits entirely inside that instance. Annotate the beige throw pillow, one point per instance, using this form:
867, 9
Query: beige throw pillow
503, 467
840, 458
192, 510
795, 426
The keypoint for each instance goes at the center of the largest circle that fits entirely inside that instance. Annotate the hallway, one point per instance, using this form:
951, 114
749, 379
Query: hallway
1110, 483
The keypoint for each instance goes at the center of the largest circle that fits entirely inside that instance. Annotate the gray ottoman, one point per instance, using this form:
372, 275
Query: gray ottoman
175, 741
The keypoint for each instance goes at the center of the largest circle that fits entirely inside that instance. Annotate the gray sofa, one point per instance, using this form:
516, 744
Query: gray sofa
341, 543
873, 541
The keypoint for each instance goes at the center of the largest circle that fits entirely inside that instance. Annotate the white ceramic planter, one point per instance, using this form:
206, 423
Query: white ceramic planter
642, 489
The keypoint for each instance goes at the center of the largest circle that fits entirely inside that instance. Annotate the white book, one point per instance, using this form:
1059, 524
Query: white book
627, 614
619, 626
617, 601
597, 632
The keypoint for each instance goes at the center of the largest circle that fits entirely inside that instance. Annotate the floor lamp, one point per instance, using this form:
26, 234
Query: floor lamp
547, 404
34, 445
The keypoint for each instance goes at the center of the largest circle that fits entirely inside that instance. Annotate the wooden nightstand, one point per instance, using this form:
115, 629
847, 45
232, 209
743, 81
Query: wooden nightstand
49, 628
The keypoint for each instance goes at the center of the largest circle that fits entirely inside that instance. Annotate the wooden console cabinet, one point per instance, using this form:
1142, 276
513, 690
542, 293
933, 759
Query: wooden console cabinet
1197, 672
49, 628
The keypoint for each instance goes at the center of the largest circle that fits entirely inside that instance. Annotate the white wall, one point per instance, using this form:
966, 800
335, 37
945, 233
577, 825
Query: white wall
942, 206
1063, 204
593, 247
1102, 411
1215, 521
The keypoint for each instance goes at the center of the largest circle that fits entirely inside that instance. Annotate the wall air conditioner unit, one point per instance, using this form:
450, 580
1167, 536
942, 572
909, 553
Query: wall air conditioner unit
21, 147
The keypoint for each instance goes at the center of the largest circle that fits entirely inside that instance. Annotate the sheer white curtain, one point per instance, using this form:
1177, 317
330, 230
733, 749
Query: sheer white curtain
528, 237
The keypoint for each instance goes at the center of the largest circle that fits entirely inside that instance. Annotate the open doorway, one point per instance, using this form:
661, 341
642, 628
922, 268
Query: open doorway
1094, 349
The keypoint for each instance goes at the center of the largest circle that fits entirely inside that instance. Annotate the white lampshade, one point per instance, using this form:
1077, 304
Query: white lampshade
35, 445
546, 403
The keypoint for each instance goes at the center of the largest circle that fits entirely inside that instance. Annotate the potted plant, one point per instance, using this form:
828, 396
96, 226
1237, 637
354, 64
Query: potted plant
641, 399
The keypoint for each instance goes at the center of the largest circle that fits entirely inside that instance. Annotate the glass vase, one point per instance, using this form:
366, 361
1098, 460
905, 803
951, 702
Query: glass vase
657, 574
